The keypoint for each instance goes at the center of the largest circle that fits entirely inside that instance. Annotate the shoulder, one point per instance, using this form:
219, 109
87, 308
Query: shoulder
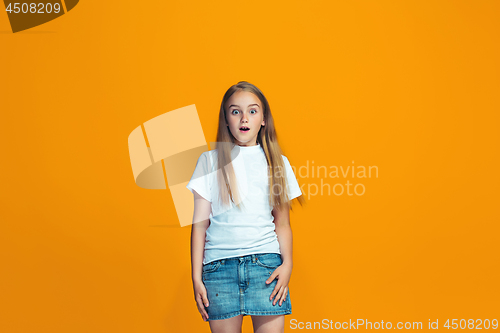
208, 158
212, 154
286, 163
208, 154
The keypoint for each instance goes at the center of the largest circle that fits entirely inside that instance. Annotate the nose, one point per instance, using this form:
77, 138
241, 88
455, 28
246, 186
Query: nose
244, 118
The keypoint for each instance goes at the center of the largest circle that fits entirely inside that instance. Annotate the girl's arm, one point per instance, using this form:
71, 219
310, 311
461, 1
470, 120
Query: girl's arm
284, 233
283, 272
201, 221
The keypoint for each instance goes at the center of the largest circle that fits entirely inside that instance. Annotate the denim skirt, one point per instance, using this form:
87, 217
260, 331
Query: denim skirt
237, 286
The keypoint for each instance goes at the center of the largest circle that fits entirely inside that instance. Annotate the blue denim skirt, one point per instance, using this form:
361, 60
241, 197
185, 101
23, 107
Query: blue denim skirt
237, 286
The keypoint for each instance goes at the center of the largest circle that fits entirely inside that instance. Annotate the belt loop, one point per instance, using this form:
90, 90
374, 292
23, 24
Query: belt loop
222, 261
253, 258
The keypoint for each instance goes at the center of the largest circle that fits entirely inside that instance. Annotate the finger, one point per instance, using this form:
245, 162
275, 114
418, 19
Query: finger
279, 291
204, 314
275, 291
201, 307
278, 296
271, 277
283, 298
205, 299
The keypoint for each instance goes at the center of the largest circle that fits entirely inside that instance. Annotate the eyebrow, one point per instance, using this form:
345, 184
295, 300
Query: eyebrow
239, 106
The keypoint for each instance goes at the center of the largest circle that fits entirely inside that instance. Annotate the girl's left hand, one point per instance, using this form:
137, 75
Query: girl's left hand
283, 274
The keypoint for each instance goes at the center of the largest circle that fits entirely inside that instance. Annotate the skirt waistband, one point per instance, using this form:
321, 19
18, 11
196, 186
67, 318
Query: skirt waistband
252, 257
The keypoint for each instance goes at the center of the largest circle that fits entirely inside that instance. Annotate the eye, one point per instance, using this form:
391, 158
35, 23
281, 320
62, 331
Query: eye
254, 110
232, 112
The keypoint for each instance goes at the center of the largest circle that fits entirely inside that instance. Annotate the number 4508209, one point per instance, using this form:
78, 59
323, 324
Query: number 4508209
471, 324
33, 8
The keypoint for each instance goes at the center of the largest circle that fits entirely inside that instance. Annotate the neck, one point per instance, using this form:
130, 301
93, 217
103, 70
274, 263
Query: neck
247, 144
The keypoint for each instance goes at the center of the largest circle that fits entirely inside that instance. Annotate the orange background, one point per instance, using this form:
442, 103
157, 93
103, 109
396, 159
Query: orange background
411, 87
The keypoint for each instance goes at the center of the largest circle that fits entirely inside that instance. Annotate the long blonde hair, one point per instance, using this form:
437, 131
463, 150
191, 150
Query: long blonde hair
268, 140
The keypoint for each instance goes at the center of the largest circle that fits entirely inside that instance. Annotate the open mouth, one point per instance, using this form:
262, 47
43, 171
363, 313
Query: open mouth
244, 129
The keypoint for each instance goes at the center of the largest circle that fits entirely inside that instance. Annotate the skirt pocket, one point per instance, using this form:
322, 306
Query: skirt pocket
269, 260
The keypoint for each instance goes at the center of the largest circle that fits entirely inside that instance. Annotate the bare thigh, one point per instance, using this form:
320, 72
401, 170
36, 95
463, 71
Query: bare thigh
230, 325
268, 324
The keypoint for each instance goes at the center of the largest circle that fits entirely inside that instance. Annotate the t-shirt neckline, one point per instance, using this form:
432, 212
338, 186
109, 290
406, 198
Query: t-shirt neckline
250, 149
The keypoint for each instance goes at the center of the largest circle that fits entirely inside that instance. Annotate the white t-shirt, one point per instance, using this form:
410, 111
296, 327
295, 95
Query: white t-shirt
232, 232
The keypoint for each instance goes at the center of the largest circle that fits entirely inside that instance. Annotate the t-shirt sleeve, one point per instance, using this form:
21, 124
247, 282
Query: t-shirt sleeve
293, 186
200, 180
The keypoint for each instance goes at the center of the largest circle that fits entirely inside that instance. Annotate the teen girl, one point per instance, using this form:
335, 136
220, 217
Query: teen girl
241, 240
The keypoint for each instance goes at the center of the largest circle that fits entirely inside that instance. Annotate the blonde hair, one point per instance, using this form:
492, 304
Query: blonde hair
268, 140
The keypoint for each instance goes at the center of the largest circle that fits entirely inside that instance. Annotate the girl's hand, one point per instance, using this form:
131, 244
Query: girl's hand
283, 273
200, 295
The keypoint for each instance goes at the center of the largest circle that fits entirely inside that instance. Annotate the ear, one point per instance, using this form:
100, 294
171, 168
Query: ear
263, 123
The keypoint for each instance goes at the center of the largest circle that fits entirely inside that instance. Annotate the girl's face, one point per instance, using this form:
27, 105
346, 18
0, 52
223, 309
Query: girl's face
244, 109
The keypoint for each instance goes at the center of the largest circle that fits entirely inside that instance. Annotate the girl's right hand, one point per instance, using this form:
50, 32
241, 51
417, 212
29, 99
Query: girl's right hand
200, 295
